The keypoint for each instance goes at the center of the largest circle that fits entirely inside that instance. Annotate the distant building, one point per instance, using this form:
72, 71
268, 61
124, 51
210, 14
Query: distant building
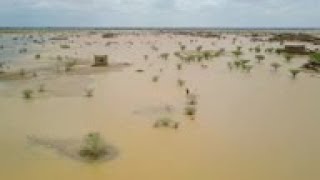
316, 42
100, 60
296, 49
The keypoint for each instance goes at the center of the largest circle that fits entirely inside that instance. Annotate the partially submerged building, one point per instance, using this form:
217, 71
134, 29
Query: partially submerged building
295, 49
101, 60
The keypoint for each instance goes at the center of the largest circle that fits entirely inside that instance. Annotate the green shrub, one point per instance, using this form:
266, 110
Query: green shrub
315, 58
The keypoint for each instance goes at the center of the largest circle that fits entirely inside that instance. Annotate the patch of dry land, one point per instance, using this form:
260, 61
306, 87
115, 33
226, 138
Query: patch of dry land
162, 105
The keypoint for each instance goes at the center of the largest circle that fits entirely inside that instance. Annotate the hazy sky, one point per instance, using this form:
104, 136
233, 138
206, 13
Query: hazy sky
222, 13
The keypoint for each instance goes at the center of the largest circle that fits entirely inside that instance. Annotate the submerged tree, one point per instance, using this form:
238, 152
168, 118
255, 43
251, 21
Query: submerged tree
41, 88
181, 82
22, 72
182, 47
230, 65
237, 63
294, 72
27, 93
288, 57
167, 123
37, 56
94, 147
179, 66
260, 58
206, 55
199, 48
146, 57
247, 68
190, 110
69, 65
237, 53
164, 56
89, 92
275, 65
269, 50
257, 49
155, 78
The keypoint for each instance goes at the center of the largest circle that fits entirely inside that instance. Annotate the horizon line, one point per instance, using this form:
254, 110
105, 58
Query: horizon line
162, 27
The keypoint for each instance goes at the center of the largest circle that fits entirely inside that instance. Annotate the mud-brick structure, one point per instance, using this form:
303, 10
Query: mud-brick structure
296, 49
101, 60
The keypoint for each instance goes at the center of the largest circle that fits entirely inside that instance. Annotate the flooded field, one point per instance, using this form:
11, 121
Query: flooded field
230, 123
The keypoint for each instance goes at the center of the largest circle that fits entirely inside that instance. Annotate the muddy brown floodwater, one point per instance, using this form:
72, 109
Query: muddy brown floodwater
261, 125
